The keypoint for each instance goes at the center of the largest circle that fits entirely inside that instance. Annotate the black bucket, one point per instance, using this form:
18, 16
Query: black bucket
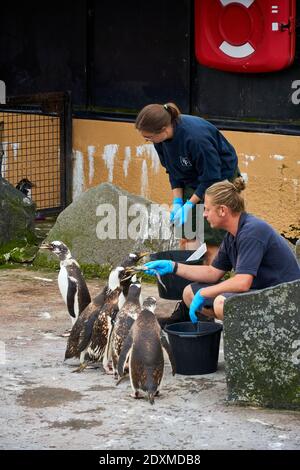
174, 284
195, 347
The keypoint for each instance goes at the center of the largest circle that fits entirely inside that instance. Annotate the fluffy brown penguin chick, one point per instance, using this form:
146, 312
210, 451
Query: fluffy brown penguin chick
85, 321
125, 319
143, 348
93, 337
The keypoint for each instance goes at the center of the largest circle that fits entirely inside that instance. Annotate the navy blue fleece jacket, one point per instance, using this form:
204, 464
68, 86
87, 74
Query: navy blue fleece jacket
197, 156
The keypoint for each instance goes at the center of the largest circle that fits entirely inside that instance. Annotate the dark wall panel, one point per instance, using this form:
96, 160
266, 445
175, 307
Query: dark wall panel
121, 55
43, 47
142, 53
266, 96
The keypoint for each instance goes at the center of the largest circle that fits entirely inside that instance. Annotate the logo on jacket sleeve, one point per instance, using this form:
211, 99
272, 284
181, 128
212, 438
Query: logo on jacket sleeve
185, 162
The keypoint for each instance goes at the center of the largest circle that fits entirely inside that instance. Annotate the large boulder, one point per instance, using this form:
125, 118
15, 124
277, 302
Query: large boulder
104, 224
17, 214
262, 347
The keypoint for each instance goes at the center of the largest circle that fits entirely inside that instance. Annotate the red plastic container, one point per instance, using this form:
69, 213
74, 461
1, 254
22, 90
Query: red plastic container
245, 35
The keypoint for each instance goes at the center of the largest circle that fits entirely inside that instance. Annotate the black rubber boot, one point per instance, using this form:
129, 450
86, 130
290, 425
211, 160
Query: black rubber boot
181, 313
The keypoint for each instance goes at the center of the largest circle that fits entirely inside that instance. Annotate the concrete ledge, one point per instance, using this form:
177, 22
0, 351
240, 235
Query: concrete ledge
262, 347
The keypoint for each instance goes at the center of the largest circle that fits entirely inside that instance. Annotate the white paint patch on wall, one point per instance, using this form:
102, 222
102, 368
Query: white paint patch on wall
127, 160
248, 159
15, 147
108, 156
144, 179
295, 182
5, 146
245, 177
91, 152
149, 151
139, 150
78, 173
4, 166
277, 157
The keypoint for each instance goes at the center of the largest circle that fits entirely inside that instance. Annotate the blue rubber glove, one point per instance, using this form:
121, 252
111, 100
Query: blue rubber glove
197, 304
177, 204
161, 267
181, 215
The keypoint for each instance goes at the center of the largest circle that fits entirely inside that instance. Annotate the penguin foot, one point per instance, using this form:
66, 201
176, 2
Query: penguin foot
136, 395
108, 370
120, 379
66, 334
80, 368
151, 398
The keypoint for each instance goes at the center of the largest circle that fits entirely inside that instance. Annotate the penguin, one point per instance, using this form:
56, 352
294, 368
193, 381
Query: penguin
133, 258
25, 186
125, 319
93, 338
81, 334
123, 276
144, 348
83, 321
71, 282
150, 304
128, 262
119, 278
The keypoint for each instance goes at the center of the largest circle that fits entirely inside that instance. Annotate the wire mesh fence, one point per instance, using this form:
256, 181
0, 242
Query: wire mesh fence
34, 148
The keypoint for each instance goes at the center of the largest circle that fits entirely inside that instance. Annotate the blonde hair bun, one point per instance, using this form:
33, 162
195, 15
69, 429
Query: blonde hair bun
239, 184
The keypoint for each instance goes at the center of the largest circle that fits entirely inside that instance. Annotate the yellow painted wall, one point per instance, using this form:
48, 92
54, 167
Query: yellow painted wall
95, 140
272, 163
110, 151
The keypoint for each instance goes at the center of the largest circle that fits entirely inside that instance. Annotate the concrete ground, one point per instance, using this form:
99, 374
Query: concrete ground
45, 406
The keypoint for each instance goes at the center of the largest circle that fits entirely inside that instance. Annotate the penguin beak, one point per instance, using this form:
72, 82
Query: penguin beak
46, 246
134, 270
143, 254
129, 273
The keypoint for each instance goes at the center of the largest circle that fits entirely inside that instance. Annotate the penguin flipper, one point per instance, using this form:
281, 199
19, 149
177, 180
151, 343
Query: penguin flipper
167, 348
71, 350
87, 330
125, 351
73, 340
72, 289
84, 297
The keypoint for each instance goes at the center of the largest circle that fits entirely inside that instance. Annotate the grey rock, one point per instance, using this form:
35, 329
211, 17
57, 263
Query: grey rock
107, 210
17, 214
262, 347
